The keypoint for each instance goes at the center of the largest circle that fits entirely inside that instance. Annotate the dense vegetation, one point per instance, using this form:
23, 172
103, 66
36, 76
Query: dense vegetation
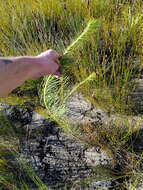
104, 66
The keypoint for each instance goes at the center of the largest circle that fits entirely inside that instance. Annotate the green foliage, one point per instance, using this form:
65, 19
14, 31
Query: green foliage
78, 43
113, 51
102, 62
54, 97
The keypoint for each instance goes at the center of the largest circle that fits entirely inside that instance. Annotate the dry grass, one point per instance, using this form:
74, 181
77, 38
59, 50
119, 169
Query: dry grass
113, 52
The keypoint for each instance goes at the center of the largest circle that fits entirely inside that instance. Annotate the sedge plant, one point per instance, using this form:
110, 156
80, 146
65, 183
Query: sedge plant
103, 64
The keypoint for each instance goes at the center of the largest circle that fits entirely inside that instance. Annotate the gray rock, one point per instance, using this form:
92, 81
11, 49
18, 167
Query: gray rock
102, 185
80, 111
61, 161
97, 157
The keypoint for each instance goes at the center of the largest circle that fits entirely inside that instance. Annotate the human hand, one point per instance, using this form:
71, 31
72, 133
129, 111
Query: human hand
47, 63
16, 70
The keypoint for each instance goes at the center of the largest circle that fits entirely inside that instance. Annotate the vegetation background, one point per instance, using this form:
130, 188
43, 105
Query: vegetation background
105, 69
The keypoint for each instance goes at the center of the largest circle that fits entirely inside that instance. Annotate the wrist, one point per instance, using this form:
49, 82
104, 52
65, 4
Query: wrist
28, 66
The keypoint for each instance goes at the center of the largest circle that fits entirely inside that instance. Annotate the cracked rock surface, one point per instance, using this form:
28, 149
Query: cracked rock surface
61, 161
81, 111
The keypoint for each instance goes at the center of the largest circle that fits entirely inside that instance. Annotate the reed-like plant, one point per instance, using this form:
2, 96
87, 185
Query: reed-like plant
55, 91
103, 63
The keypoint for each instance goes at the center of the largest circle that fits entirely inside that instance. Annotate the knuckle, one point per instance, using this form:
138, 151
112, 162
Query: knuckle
54, 53
50, 52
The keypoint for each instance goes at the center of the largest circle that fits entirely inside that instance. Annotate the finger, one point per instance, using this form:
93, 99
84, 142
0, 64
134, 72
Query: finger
56, 57
57, 74
54, 54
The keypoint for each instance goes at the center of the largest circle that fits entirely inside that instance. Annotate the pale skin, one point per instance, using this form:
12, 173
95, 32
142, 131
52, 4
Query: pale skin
14, 71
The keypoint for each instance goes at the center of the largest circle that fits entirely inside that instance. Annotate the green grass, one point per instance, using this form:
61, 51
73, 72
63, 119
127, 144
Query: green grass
102, 51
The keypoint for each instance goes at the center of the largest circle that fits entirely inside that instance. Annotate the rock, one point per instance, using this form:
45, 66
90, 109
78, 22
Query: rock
97, 157
60, 160
138, 141
58, 156
137, 97
80, 111
102, 185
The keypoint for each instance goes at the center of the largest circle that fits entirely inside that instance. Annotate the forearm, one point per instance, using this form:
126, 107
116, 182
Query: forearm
13, 72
